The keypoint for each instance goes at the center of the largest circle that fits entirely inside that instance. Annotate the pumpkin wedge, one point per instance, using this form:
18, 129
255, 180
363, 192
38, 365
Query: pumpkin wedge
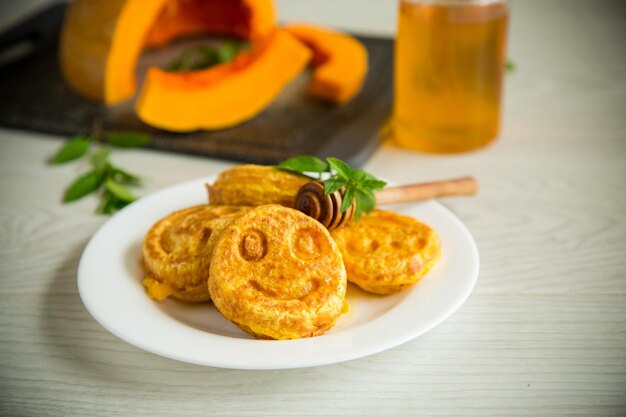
101, 40
100, 43
224, 95
339, 62
249, 19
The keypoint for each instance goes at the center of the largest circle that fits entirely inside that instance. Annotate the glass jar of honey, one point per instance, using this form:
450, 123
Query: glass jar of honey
450, 57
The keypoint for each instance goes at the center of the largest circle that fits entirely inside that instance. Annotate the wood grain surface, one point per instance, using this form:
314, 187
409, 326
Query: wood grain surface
543, 334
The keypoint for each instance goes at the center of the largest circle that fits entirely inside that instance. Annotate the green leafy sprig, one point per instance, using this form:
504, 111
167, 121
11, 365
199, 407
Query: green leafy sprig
202, 56
112, 179
359, 185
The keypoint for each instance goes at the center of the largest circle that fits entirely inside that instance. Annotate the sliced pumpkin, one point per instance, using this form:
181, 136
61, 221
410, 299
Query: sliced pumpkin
101, 40
100, 43
249, 19
339, 62
224, 95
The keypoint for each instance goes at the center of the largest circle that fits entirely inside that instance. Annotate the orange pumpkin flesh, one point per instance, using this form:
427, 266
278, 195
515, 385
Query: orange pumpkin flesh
101, 40
339, 62
224, 95
250, 19
100, 44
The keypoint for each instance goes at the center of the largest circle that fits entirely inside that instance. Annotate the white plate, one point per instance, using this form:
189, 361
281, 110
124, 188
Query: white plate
110, 274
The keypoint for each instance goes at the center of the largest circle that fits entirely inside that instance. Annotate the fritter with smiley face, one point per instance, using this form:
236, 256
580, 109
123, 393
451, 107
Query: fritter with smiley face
386, 252
277, 273
177, 251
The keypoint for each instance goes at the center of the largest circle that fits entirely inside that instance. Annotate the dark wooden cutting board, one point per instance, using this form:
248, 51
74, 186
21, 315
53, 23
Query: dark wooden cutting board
34, 97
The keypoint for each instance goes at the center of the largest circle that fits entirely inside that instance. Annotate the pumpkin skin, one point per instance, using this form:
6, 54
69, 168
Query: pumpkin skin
339, 62
224, 95
101, 40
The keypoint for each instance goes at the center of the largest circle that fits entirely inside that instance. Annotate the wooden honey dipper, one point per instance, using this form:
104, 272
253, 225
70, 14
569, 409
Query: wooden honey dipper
326, 209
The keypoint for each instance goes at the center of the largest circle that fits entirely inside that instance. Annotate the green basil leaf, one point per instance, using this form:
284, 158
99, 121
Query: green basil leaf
374, 184
100, 160
193, 59
357, 212
366, 200
348, 199
342, 169
114, 205
119, 191
110, 204
82, 186
333, 184
123, 177
302, 164
367, 179
71, 150
104, 202
359, 175
227, 51
127, 139
202, 57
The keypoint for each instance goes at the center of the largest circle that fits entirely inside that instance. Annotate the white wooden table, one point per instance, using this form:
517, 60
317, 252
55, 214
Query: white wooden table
543, 334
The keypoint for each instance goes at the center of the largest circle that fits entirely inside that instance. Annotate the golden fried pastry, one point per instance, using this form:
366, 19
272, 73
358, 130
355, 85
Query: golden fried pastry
255, 185
277, 273
386, 252
177, 251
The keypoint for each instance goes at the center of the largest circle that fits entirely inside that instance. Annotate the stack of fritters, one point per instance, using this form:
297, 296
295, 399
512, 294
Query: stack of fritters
384, 252
273, 271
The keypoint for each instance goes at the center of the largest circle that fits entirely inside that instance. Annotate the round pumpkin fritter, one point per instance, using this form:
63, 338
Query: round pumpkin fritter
177, 251
386, 252
255, 185
277, 273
